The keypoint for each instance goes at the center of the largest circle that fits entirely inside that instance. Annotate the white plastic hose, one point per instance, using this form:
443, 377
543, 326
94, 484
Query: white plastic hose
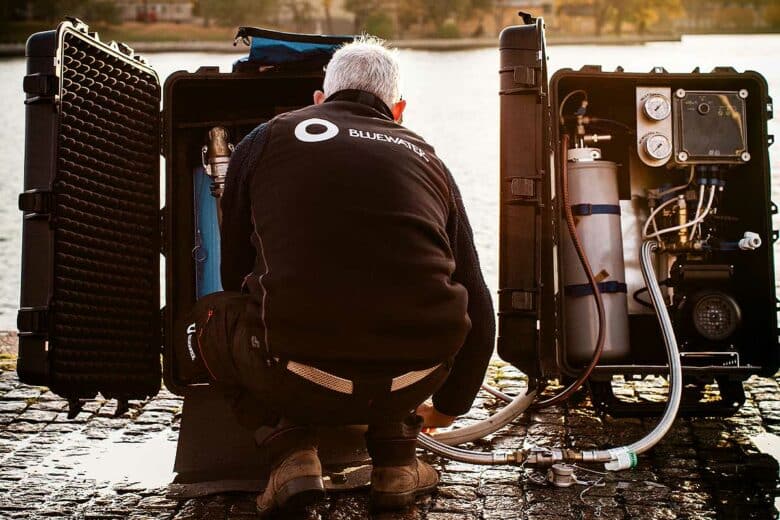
498, 394
700, 203
492, 424
672, 229
625, 457
672, 352
616, 458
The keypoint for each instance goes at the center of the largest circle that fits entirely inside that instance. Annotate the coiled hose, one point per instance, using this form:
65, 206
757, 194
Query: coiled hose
522, 402
616, 458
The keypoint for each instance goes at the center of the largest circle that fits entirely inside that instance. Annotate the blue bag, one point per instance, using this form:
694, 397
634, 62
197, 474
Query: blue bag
274, 49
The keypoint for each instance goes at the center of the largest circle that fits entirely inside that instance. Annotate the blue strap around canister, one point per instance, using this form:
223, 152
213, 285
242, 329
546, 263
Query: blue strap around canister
584, 289
584, 210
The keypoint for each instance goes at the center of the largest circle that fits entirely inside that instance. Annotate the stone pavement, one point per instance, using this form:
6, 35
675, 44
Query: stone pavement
100, 467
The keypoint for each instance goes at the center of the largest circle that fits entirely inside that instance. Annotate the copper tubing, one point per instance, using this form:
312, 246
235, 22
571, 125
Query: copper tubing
569, 390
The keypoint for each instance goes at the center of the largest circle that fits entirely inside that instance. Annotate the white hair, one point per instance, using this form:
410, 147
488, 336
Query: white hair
365, 64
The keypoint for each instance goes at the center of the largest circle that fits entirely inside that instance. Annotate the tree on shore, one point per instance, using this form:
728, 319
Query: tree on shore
442, 11
411, 12
13, 10
642, 13
234, 12
362, 10
300, 12
52, 11
326, 5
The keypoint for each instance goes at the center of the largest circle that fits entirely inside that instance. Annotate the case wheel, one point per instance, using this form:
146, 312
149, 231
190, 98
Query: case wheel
732, 397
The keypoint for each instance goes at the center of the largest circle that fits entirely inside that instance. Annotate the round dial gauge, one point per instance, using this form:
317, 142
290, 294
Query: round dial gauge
658, 146
657, 107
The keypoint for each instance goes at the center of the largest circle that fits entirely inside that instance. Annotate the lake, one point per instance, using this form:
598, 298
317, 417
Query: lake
452, 102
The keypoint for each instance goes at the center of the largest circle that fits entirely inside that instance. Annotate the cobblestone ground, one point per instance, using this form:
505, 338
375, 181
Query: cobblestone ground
99, 467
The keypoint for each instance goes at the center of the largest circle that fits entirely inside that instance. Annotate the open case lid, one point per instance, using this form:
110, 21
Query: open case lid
256, 90
90, 291
526, 308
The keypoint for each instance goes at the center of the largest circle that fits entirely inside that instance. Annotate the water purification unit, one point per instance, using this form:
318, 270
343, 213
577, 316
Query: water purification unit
635, 234
623, 159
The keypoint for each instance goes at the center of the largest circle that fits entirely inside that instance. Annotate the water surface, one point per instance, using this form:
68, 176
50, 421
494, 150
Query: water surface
452, 102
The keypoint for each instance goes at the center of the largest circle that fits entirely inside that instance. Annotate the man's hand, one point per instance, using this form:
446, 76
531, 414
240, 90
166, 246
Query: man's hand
432, 418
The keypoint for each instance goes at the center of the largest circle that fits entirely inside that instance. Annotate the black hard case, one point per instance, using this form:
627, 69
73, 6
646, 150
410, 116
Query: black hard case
526, 226
90, 240
192, 103
531, 311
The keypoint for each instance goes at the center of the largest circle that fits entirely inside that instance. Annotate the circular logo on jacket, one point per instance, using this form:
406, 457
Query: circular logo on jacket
310, 130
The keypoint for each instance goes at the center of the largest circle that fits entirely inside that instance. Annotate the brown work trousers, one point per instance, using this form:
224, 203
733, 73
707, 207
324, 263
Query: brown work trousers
267, 395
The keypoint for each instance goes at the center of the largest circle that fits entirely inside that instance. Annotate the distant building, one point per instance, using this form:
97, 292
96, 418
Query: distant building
177, 11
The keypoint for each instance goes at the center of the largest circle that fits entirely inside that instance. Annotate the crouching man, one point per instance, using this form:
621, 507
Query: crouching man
365, 295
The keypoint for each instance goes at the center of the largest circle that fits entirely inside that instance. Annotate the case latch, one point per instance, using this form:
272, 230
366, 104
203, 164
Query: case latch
527, 17
40, 86
523, 300
525, 75
522, 187
36, 202
78, 24
33, 321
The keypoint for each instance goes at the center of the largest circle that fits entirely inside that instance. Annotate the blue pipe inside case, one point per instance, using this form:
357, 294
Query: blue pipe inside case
207, 244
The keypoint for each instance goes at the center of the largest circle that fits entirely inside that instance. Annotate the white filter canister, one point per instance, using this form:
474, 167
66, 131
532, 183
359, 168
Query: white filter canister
593, 195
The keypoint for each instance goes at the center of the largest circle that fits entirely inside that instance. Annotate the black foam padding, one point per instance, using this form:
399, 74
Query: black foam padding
105, 333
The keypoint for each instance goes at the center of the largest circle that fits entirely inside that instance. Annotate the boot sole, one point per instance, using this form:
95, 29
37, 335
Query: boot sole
296, 495
390, 501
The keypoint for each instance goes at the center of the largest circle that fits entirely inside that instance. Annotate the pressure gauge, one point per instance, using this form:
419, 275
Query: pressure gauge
657, 146
657, 107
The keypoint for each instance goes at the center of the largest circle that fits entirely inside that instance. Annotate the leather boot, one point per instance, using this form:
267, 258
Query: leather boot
395, 487
398, 477
296, 478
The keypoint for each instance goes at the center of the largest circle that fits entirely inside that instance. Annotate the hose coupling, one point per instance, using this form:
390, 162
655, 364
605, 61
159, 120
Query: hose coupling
544, 457
215, 157
596, 456
622, 458
750, 241
561, 475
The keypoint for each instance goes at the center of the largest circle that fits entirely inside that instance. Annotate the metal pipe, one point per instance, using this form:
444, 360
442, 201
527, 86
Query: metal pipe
468, 456
216, 157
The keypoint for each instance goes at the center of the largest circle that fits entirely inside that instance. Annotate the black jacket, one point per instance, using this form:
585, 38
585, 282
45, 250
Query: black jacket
363, 256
